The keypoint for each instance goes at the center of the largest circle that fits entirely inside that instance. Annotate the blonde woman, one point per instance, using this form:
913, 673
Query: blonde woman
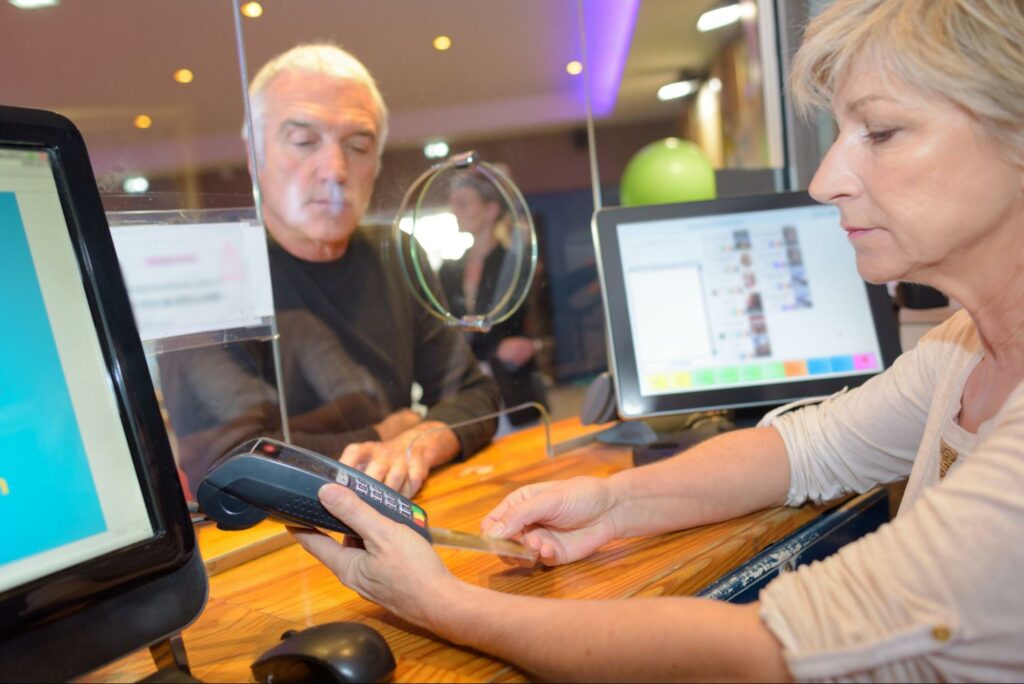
927, 172
475, 283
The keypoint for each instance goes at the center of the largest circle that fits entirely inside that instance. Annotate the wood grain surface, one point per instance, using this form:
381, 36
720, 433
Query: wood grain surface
259, 590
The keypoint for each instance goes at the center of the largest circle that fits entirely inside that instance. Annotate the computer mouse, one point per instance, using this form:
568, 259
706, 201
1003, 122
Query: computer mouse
333, 652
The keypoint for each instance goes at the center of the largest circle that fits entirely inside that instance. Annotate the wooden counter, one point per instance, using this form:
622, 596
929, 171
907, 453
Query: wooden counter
261, 584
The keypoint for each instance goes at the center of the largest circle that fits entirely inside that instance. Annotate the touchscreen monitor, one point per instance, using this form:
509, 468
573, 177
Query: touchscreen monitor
745, 301
98, 556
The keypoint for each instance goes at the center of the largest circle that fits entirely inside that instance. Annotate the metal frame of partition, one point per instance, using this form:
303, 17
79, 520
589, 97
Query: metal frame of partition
804, 147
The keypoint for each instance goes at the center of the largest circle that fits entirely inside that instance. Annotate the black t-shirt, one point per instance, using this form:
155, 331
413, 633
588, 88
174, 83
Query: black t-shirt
518, 385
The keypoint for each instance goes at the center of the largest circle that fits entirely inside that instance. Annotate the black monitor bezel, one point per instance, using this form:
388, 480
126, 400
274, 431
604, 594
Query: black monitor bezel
631, 403
102, 581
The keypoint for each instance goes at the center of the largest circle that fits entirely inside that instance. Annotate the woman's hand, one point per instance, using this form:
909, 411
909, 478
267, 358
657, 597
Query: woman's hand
562, 520
396, 568
516, 351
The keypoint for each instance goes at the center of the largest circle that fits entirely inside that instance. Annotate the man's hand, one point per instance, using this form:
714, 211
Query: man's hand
386, 461
563, 521
396, 568
397, 423
516, 351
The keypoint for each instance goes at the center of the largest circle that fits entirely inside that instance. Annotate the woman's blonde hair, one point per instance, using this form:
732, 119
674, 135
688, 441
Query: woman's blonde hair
971, 52
488, 193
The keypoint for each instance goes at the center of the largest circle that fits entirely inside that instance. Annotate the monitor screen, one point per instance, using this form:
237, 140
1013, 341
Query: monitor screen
97, 539
737, 302
78, 495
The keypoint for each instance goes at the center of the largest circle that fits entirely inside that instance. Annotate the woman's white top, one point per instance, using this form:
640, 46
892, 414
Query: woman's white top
938, 593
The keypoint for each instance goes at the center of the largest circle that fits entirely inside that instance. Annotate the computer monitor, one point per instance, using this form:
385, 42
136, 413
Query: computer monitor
738, 302
98, 556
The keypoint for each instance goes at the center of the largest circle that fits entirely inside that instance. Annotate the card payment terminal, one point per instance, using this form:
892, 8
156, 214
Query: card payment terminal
267, 478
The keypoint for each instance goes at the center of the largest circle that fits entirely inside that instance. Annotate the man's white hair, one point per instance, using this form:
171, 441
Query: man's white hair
321, 58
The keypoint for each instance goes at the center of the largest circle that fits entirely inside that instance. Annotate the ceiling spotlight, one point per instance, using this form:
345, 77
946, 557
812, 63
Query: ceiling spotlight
574, 68
183, 76
715, 85
143, 121
435, 150
442, 43
678, 89
33, 4
724, 15
136, 184
252, 9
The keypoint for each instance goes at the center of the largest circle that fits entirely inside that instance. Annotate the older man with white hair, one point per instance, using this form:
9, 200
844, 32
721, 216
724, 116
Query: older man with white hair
354, 339
320, 124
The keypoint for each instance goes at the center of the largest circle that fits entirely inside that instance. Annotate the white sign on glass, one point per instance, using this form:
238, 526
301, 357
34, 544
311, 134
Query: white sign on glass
195, 278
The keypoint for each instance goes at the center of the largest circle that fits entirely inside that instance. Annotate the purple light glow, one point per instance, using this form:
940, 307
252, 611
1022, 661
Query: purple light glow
609, 28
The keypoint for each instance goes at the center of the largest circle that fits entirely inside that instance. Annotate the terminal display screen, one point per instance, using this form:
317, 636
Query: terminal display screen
737, 302
754, 299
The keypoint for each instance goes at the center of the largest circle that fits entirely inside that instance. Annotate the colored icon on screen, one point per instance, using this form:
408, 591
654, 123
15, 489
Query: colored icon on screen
819, 366
842, 363
727, 375
750, 373
681, 379
659, 382
865, 361
704, 376
795, 368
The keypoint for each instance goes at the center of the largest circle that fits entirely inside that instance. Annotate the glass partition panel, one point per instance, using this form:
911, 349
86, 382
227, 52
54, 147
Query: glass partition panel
503, 79
155, 90
807, 139
153, 87
685, 105
703, 72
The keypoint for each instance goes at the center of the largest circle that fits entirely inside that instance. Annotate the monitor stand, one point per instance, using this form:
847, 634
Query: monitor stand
171, 661
680, 432
750, 416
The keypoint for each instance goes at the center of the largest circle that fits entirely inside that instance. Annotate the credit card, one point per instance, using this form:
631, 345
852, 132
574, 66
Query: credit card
478, 542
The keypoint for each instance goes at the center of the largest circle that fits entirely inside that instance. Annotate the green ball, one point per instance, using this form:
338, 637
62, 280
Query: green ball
666, 171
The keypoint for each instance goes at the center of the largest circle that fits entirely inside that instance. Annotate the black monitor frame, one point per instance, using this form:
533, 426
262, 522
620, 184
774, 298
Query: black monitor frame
77, 619
621, 349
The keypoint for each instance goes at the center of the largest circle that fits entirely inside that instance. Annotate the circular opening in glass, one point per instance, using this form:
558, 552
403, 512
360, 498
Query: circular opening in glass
466, 242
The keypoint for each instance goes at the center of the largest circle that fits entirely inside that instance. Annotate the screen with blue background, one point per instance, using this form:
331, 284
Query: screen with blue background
47, 494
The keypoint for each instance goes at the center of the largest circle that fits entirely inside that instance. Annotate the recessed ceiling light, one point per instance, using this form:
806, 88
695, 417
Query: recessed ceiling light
435, 150
183, 76
724, 15
143, 121
575, 67
715, 85
33, 4
135, 184
673, 91
252, 9
442, 43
